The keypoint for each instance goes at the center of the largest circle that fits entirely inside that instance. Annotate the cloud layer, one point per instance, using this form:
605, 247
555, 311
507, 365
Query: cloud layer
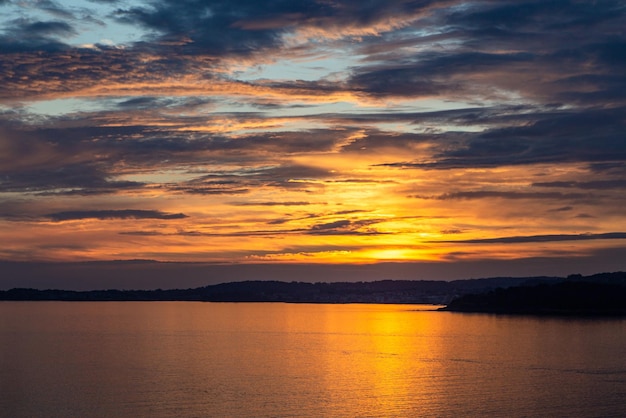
312, 131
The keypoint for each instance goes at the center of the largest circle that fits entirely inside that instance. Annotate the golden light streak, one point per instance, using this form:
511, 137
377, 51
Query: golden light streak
190, 86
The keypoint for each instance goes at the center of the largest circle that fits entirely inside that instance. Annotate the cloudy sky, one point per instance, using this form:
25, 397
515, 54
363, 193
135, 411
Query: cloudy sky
314, 131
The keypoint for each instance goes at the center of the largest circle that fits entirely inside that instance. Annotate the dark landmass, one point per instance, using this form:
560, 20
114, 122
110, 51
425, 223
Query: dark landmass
472, 295
385, 291
599, 295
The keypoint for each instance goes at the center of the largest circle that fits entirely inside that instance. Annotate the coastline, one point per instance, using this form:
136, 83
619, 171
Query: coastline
597, 295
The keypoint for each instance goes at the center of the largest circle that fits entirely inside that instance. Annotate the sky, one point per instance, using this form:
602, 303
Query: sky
447, 136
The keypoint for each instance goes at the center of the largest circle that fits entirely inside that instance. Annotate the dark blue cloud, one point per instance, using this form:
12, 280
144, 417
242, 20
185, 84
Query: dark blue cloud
200, 27
614, 184
544, 238
67, 179
41, 28
541, 49
592, 136
247, 26
113, 214
430, 74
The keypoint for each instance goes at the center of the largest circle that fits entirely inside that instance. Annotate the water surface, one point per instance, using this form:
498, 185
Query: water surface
166, 359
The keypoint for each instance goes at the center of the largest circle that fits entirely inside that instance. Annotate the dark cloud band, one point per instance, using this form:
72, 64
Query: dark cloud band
542, 238
113, 214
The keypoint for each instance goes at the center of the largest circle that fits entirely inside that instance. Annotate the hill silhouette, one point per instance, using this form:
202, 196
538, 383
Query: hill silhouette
384, 291
603, 294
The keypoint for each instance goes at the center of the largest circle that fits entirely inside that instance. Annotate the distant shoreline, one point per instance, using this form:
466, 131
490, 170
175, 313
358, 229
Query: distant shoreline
597, 295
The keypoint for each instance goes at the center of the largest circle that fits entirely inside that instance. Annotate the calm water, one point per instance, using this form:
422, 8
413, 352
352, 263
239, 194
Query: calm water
205, 359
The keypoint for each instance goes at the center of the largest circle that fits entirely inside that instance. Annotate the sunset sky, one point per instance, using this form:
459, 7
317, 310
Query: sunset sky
327, 132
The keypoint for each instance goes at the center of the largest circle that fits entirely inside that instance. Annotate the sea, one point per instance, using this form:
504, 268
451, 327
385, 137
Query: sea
194, 359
